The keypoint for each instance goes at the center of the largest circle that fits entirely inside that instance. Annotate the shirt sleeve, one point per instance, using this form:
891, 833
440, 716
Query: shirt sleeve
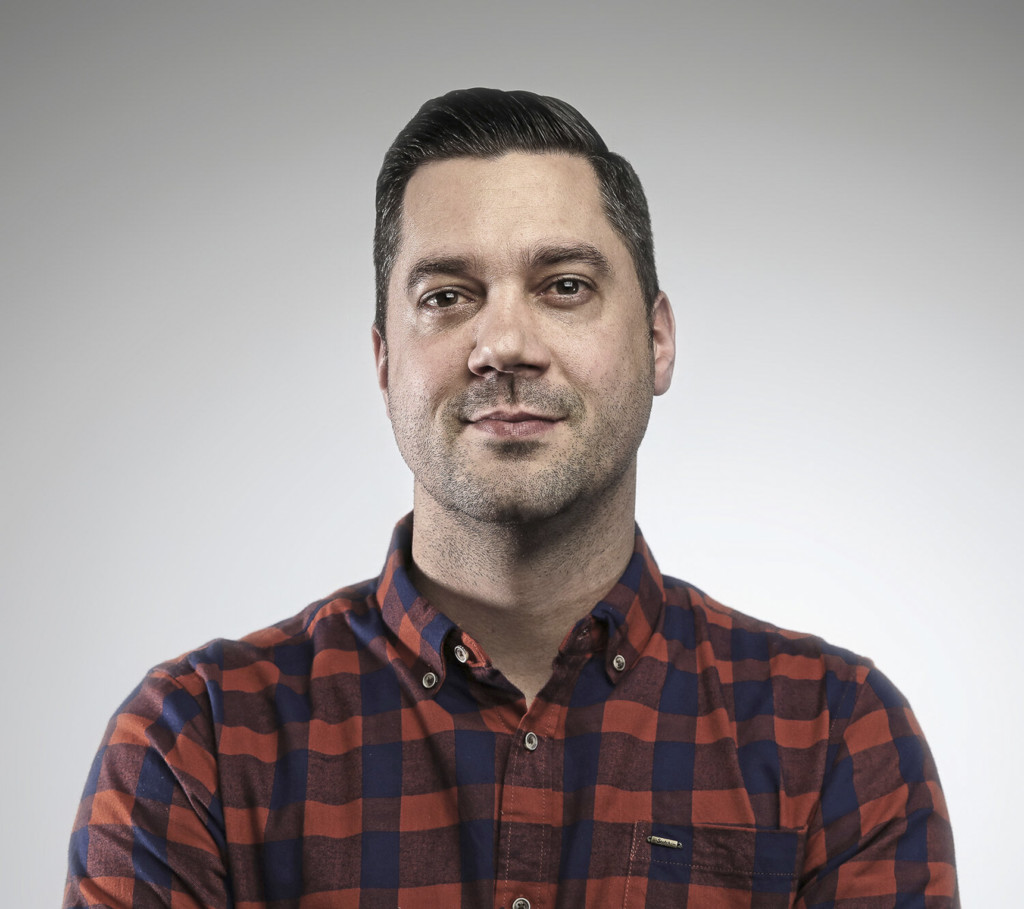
149, 830
882, 837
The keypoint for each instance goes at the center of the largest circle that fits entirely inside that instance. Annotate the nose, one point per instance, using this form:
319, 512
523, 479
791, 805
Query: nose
508, 338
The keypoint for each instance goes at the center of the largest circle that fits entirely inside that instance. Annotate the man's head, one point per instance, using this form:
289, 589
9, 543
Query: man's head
487, 123
522, 348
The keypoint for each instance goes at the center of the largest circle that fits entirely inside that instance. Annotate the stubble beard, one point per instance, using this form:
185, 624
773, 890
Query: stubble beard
517, 482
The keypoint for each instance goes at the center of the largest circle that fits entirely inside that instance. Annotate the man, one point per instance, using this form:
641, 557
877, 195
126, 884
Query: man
470, 729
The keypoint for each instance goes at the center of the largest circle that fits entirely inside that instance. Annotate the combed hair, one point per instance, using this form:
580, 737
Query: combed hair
488, 123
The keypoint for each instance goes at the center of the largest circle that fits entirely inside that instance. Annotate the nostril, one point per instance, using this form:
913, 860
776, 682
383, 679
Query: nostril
507, 346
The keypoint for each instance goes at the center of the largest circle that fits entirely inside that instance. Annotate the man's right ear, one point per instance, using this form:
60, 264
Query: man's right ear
380, 356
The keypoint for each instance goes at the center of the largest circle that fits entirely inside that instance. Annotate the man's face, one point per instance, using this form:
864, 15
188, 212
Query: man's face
519, 363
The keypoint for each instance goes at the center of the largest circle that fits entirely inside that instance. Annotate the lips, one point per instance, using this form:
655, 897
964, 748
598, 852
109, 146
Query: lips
513, 423
511, 416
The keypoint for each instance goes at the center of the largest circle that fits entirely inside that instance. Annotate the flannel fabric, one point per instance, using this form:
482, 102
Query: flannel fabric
365, 753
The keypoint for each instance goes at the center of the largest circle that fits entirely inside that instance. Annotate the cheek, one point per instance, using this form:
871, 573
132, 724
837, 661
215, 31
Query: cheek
602, 361
427, 378
583, 352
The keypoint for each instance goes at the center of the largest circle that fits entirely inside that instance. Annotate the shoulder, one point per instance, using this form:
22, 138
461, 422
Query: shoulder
800, 667
287, 652
739, 636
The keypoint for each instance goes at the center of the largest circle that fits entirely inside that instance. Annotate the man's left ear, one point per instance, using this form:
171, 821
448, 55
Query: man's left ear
663, 342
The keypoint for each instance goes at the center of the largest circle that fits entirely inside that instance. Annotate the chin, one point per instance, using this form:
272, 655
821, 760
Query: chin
514, 498
524, 499
490, 509
517, 488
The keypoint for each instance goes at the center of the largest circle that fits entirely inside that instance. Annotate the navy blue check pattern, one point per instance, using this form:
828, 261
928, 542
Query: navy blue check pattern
681, 754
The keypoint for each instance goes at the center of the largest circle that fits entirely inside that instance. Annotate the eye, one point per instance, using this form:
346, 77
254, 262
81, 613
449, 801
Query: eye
567, 287
568, 290
441, 299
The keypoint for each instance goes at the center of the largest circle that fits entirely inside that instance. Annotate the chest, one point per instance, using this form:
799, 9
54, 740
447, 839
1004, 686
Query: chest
648, 790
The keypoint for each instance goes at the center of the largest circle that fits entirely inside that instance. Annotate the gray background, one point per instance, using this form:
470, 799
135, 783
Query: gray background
193, 441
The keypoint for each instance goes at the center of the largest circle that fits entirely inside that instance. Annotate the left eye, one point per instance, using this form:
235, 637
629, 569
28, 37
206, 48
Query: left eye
567, 286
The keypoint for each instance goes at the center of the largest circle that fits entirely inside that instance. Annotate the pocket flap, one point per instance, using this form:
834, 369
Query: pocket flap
757, 859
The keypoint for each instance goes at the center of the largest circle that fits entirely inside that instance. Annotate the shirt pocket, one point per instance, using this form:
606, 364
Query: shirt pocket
713, 867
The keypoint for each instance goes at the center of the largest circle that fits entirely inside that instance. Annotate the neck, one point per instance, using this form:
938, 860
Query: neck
517, 588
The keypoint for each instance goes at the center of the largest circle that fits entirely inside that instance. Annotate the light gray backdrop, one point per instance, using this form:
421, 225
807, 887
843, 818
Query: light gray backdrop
193, 441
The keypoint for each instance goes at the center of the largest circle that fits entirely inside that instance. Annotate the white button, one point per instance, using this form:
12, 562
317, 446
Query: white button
461, 654
619, 662
429, 680
531, 741
521, 903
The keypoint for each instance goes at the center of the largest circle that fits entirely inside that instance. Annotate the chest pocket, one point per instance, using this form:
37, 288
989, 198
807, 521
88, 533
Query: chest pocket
713, 867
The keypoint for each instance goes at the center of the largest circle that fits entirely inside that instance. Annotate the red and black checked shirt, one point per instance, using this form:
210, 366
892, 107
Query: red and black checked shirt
365, 753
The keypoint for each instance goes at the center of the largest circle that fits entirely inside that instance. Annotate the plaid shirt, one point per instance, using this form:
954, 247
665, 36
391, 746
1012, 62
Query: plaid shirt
365, 753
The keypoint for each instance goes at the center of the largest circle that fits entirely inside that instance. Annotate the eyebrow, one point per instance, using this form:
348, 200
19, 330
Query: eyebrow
442, 265
538, 257
559, 254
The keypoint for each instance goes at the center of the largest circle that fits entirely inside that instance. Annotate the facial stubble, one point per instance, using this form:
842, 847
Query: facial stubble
514, 481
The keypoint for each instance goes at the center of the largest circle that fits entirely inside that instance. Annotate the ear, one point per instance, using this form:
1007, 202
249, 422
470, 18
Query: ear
663, 341
380, 356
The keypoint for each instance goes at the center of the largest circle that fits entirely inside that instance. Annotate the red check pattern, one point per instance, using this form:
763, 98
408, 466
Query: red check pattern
365, 753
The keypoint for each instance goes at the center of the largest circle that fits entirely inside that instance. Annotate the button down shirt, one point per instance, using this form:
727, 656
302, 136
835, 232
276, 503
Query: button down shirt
366, 753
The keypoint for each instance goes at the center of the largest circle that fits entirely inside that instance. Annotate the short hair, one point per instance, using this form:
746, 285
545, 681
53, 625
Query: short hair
488, 123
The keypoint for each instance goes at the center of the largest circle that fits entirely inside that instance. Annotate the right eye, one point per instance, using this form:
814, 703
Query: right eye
441, 299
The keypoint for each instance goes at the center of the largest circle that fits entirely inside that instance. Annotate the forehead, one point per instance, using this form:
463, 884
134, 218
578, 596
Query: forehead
493, 205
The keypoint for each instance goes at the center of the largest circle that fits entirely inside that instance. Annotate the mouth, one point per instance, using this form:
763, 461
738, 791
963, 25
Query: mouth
514, 424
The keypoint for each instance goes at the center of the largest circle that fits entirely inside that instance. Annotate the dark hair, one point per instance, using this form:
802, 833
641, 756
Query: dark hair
488, 123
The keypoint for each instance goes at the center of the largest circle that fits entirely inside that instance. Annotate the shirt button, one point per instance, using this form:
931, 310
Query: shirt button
429, 680
461, 654
521, 903
619, 662
531, 742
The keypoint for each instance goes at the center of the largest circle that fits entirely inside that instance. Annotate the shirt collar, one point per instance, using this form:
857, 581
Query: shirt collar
419, 627
630, 611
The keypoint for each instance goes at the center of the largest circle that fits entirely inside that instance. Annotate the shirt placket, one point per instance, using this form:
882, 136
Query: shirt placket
531, 810
530, 813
